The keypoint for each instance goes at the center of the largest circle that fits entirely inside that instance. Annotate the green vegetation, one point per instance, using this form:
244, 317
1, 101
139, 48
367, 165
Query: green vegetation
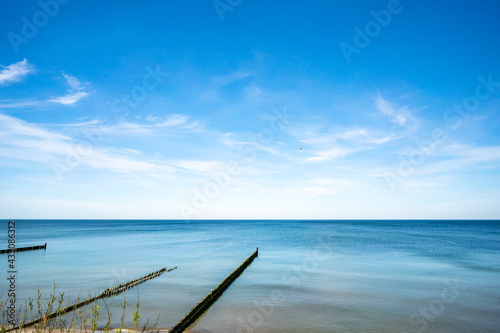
84, 319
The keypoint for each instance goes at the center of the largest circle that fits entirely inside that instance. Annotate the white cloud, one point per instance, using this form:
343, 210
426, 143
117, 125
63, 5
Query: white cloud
310, 134
226, 79
253, 91
15, 72
70, 98
151, 125
168, 120
325, 143
400, 115
34, 143
16, 127
21, 140
83, 123
362, 135
73, 82
14, 104
251, 142
459, 157
74, 94
328, 154
174, 120
326, 135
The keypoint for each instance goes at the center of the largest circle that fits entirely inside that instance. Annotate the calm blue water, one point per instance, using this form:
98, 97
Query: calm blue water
311, 276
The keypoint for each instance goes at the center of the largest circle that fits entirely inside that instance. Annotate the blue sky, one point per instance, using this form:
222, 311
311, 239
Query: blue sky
249, 109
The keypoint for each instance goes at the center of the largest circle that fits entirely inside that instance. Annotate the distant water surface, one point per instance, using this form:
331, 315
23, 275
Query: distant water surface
310, 276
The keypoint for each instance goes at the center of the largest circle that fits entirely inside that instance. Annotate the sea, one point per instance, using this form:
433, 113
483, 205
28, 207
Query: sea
310, 276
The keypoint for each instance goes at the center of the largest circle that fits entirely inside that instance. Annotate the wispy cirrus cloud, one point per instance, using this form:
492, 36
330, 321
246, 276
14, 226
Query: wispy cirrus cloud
398, 114
226, 79
151, 124
329, 154
363, 135
12, 126
316, 134
73, 82
175, 120
33, 142
76, 92
70, 98
458, 157
323, 142
15, 72
16, 104
22, 140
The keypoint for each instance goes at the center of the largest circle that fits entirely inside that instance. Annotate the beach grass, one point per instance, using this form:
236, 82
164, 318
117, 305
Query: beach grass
84, 319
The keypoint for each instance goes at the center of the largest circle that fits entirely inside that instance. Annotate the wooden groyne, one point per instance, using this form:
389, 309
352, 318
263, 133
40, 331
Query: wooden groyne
27, 248
110, 292
122, 287
206, 302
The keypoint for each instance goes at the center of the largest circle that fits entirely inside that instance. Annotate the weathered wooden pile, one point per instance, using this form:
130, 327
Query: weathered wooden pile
206, 302
26, 248
125, 286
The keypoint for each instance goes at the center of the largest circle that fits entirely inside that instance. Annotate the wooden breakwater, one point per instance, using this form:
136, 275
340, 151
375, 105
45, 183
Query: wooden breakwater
27, 248
110, 292
210, 299
122, 287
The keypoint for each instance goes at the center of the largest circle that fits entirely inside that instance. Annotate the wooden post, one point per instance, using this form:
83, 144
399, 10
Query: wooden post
206, 302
